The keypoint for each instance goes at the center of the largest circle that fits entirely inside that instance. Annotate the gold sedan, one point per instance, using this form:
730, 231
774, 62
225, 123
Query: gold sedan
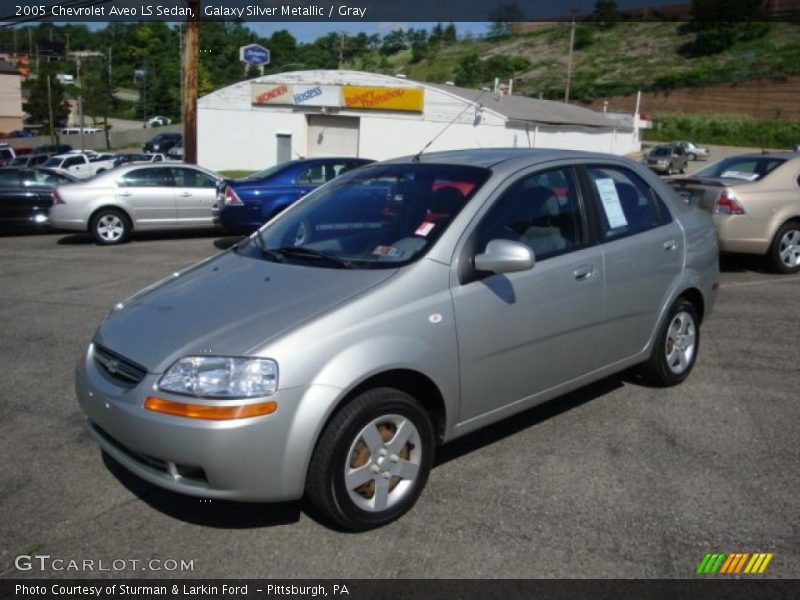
755, 200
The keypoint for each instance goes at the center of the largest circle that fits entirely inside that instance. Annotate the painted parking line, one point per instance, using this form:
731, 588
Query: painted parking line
759, 282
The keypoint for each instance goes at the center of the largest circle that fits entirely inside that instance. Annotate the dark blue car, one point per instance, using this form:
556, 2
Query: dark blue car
244, 205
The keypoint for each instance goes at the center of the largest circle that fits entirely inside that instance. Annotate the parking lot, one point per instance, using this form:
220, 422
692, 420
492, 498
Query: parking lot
615, 480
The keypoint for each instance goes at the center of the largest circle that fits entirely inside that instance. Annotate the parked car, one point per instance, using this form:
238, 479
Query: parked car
755, 199
80, 165
329, 354
52, 149
136, 197
29, 160
26, 196
162, 142
244, 205
667, 159
6, 153
153, 157
176, 152
77, 130
693, 151
158, 121
21, 133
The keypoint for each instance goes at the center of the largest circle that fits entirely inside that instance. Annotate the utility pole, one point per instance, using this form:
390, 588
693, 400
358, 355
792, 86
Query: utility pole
109, 88
190, 51
341, 48
569, 58
50, 111
79, 56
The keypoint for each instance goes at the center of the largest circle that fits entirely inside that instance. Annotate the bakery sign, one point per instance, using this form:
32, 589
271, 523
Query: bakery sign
408, 99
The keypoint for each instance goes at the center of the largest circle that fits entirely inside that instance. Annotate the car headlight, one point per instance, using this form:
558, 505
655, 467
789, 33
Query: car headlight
221, 377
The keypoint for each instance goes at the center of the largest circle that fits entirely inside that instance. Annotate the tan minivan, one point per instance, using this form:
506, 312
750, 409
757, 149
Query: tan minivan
755, 200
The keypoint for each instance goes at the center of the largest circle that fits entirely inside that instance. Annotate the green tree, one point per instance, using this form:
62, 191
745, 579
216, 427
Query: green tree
715, 31
605, 12
469, 71
393, 42
37, 105
449, 35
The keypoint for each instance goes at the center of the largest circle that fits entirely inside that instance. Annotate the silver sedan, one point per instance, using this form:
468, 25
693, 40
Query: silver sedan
398, 307
136, 198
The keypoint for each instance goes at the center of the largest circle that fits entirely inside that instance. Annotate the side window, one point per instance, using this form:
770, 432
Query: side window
192, 178
72, 161
540, 210
6, 153
333, 170
313, 175
42, 179
625, 203
9, 178
145, 178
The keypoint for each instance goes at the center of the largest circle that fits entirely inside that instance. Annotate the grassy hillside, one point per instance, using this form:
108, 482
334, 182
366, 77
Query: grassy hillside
611, 61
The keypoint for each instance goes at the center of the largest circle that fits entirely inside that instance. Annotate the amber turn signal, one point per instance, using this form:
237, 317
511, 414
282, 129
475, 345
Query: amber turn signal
213, 413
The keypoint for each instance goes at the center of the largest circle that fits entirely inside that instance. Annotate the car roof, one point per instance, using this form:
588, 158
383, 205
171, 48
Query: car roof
784, 155
492, 157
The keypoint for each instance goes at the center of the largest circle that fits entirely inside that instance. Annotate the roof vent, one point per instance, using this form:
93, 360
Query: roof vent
401, 75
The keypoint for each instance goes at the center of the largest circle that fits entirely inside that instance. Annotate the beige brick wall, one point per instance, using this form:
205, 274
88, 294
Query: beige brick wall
10, 102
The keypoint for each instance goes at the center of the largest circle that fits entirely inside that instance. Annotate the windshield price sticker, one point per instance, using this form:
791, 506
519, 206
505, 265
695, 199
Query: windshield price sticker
425, 228
611, 205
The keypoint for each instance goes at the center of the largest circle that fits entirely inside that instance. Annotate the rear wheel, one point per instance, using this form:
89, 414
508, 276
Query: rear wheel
110, 226
676, 345
692, 156
372, 460
784, 254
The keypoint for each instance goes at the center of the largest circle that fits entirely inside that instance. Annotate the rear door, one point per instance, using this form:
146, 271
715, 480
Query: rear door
522, 333
195, 194
643, 248
147, 193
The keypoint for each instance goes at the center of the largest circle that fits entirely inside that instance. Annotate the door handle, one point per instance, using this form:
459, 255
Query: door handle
185, 194
125, 194
670, 245
583, 272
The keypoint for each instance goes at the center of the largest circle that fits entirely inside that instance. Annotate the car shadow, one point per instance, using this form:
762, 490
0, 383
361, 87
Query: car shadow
239, 515
531, 417
228, 242
743, 263
221, 514
143, 236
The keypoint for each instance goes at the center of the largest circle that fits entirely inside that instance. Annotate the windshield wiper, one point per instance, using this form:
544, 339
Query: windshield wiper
311, 254
274, 255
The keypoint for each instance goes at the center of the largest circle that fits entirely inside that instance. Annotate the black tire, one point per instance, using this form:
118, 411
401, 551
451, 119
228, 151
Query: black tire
661, 368
110, 226
683, 170
787, 240
692, 156
341, 444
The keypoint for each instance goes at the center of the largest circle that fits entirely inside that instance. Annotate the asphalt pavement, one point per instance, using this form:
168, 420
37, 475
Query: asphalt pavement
615, 480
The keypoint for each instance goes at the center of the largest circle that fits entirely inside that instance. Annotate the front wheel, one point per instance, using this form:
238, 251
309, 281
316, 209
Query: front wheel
784, 254
675, 349
372, 460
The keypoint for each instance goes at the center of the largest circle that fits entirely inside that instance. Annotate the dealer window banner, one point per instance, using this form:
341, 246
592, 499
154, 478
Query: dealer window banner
409, 99
383, 98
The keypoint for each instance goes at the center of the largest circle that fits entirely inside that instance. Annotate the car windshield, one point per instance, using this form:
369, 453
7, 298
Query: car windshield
660, 152
20, 160
377, 217
748, 168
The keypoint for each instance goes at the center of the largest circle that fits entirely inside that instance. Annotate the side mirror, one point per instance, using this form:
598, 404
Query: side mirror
505, 256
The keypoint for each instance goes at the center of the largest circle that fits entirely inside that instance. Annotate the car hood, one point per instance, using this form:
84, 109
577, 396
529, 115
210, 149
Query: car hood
226, 306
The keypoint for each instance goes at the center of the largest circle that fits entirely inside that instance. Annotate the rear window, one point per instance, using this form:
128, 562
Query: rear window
746, 168
661, 152
53, 162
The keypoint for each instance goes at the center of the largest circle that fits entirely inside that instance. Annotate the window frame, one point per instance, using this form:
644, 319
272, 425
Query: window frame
170, 181
174, 169
663, 213
467, 273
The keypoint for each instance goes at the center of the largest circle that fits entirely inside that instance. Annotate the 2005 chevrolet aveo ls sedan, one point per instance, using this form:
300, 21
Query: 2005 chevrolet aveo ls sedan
398, 307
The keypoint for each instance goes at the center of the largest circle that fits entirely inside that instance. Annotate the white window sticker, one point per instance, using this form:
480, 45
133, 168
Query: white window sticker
611, 205
424, 229
739, 175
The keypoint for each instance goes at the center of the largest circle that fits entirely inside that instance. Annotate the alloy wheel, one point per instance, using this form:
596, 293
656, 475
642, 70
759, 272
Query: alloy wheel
110, 228
681, 342
789, 248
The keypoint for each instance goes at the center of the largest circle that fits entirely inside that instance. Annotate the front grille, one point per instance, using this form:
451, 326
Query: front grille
118, 368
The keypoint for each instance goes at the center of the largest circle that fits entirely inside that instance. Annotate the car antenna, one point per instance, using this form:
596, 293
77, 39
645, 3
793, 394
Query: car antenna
446, 127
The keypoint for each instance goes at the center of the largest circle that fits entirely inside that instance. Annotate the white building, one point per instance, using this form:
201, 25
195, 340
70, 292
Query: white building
258, 123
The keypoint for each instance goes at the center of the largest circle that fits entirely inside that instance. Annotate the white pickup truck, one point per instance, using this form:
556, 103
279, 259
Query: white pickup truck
78, 165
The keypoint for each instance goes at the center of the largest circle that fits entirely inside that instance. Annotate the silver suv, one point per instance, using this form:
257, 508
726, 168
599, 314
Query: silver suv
394, 309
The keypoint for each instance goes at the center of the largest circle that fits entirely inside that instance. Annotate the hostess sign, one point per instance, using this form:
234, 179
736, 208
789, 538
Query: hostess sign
254, 54
407, 99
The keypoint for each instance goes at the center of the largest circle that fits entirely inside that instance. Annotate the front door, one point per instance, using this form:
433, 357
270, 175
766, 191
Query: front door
523, 333
147, 194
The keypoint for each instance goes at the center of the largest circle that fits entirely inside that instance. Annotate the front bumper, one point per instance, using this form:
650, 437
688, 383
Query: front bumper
260, 459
